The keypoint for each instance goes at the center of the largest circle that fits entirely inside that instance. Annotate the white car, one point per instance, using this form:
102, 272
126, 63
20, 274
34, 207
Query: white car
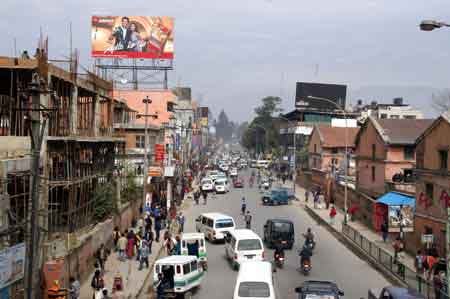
207, 184
221, 186
233, 172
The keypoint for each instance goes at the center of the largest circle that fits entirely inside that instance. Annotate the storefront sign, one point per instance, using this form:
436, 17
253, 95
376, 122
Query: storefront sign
154, 171
159, 152
427, 239
401, 216
12, 264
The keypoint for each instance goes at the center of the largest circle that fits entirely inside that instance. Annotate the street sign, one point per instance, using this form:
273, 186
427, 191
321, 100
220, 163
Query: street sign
159, 152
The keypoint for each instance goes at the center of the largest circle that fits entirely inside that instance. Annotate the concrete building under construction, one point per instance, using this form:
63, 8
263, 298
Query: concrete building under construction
78, 156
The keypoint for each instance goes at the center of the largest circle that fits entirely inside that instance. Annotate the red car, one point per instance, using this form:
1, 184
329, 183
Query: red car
238, 183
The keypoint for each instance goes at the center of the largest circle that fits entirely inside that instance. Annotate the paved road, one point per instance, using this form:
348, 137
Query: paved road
331, 260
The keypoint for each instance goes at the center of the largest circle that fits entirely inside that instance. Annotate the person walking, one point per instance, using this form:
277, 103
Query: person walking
137, 245
144, 254
157, 229
316, 199
116, 236
243, 206
181, 219
122, 246
333, 213
130, 244
96, 283
248, 220
100, 256
74, 288
205, 197
306, 196
384, 231
419, 262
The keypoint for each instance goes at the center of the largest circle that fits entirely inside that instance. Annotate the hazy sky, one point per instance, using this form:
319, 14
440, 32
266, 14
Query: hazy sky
234, 52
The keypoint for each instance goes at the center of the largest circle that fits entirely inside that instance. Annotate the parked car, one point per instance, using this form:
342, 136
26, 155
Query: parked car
279, 230
319, 289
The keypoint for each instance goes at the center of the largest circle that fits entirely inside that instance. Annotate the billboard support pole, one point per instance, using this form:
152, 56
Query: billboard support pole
165, 79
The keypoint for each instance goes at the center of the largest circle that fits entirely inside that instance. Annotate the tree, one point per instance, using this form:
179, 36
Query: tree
270, 105
441, 101
224, 128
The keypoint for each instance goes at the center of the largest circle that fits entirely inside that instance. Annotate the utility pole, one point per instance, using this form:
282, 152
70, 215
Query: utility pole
36, 136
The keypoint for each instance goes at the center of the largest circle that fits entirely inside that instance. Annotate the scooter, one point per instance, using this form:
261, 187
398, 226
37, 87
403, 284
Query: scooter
279, 260
306, 267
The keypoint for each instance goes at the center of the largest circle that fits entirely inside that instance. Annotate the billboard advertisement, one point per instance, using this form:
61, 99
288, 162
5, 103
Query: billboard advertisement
334, 92
132, 37
12, 264
401, 216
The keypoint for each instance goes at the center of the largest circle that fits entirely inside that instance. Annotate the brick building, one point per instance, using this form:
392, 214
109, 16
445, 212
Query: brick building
433, 184
384, 148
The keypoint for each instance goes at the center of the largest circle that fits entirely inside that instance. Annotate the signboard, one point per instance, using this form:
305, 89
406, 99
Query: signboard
204, 121
132, 37
401, 216
427, 239
334, 92
203, 112
154, 171
12, 264
159, 152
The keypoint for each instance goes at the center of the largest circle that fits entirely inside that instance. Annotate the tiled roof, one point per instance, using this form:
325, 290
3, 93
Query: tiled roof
401, 131
335, 136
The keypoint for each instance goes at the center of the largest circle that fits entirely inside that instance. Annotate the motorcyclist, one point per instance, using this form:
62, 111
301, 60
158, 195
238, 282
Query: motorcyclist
309, 238
243, 206
279, 250
305, 255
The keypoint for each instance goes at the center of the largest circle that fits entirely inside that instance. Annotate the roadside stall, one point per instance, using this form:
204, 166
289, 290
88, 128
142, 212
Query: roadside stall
397, 209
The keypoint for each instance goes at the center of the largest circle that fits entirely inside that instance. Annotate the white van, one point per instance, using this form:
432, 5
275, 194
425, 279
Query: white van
221, 186
243, 245
207, 184
214, 225
254, 281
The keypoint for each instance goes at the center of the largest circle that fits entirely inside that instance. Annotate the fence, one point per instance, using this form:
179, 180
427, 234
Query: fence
386, 260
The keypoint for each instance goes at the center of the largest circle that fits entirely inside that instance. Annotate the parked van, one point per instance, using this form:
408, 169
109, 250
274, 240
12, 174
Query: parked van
214, 225
254, 281
243, 245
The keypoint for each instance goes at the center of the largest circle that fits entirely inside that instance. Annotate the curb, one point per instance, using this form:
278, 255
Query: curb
355, 249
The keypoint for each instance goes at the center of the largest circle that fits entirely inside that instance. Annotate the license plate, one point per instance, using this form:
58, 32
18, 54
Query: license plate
283, 242
250, 256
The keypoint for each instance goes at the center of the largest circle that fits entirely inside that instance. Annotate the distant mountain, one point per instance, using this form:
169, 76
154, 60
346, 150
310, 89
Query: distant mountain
419, 97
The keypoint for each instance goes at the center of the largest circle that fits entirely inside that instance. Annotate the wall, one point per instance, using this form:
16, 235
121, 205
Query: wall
437, 139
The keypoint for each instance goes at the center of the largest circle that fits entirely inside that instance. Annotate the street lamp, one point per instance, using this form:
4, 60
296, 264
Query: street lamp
429, 25
342, 109
146, 101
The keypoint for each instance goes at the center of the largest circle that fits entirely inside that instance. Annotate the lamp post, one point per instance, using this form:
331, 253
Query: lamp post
342, 109
146, 101
429, 25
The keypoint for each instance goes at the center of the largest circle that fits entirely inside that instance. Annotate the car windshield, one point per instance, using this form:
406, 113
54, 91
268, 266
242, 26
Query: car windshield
254, 289
220, 183
207, 182
224, 223
282, 227
249, 244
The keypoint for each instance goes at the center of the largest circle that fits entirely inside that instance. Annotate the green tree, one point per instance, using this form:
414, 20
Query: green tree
105, 203
224, 128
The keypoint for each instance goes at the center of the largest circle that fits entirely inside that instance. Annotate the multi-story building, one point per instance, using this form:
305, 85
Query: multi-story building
77, 159
384, 148
432, 186
397, 110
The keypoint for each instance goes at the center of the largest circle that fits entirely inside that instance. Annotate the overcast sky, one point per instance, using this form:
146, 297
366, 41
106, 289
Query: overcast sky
235, 52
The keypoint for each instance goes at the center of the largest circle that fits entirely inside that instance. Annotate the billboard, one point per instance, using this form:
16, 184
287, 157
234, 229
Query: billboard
12, 264
401, 216
334, 92
132, 37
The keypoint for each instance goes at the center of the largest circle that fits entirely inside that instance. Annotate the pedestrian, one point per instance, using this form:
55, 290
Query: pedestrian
398, 249
384, 231
316, 199
284, 178
439, 284
306, 195
177, 248
205, 197
196, 196
103, 294
100, 257
332, 215
419, 262
122, 245
248, 220
116, 236
118, 294
130, 244
169, 243
140, 223
137, 245
243, 206
160, 287
144, 254
96, 283
74, 288
133, 222
157, 229
181, 220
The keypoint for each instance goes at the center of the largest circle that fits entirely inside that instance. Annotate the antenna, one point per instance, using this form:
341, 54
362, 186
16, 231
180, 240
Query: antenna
15, 47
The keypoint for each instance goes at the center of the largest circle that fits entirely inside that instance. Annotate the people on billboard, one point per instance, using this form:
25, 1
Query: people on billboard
121, 35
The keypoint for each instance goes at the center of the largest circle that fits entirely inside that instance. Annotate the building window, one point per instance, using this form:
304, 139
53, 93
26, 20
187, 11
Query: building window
393, 116
374, 151
429, 190
315, 148
409, 117
334, 150
383, 115
373, 173
443, 159
408, 152
140, 141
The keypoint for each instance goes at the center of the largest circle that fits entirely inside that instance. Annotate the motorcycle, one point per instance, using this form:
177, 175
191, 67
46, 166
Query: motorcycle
310, 245
279, 260
306, 267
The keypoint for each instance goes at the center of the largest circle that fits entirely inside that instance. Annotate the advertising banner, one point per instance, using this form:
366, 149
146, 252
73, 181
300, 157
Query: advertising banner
401, 216
204, 121
335, 93
159, 152
132, 37
12, 264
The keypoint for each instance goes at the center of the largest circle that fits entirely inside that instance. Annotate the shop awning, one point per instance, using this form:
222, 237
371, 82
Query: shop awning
397, 199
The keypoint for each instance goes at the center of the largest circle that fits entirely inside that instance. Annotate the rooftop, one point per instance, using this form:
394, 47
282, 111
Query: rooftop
401, 131
335, 136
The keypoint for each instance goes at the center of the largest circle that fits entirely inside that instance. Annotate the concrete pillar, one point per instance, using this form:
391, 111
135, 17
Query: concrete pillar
73, 110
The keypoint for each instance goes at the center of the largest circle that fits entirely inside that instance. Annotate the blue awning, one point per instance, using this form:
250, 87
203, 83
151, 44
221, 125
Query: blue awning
397, 199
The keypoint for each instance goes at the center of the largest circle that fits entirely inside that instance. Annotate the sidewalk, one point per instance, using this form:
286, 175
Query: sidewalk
361, 228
